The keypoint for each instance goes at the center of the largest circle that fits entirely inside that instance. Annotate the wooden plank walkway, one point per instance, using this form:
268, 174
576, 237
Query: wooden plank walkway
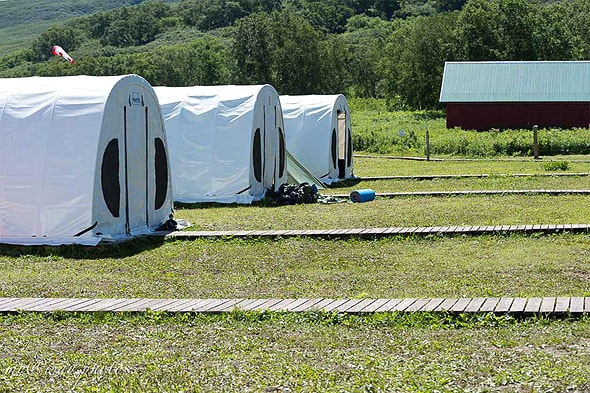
574, 306
382, 232
467, 176
471, 192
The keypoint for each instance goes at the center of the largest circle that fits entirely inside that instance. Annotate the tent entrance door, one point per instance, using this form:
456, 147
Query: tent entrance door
136, 165
270, 146
342, 144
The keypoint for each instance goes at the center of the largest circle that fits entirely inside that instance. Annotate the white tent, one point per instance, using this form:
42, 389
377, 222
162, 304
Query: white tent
227, 143
82, 158
318, 132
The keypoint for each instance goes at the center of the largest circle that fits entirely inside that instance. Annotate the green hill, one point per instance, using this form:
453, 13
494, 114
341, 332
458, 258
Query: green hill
394, 49
19, 12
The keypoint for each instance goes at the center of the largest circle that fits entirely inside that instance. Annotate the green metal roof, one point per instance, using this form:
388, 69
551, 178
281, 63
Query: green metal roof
516, 81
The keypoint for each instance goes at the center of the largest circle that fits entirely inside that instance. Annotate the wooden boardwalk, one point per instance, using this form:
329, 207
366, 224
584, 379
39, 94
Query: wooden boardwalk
382, 232
472, 192
468, 176
574, 306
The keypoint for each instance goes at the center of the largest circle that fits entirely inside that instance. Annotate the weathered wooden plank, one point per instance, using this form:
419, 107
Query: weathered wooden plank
252, 306
587, 304
533, 305
387, 306
320, 305
81, 306
547, 305
48, 305
577, 305
375, 305
129, 305
181, 304
504, 305
143, 305
205, 307
405, 303
227, 306
266, 304
562, 305
114, 305
279, 306
20, 302
162, 304
306, 305
432, 304
489, 305
6, 300
30, 305
446, 305
475, 304
417, 305
295, 304
334, 305
518, 305
360, 306
17, 303
197, 305
346, 305
461, 304
96, 306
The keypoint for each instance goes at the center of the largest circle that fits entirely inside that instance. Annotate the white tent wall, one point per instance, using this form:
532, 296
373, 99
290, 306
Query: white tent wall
213, 133
316, 136
53, 136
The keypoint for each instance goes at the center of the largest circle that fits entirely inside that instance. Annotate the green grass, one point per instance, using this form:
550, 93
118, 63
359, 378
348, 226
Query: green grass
383, 166
310, 352
292, 352
484, 266
377, 130
398, 211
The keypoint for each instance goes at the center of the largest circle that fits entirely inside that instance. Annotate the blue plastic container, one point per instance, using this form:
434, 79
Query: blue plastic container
365, 195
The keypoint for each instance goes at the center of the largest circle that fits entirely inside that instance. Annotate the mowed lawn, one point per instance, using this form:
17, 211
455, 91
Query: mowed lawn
312, 352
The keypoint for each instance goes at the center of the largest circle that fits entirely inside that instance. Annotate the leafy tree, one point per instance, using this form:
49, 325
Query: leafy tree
327, 15
516, 21
211, 14
415, 57
65, 37
251, 49
136, 25
552, 36
478, 29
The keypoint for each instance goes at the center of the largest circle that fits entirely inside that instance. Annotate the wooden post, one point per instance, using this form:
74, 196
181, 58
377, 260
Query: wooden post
427, 145
535, 142
427, 140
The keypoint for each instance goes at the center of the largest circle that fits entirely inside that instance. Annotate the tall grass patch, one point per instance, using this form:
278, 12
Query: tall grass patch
379, 130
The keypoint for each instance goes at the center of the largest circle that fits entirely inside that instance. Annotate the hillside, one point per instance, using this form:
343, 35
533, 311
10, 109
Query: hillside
19, 12
393, 49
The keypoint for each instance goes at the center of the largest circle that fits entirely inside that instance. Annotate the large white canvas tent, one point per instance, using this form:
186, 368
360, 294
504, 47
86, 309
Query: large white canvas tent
227, 143
82, 158
318, 133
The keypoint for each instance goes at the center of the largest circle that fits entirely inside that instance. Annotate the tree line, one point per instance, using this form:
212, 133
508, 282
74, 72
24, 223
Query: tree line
364, 48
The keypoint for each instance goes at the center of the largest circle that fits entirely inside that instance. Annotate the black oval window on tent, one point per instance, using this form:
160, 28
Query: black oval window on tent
334, 151
349, 152
257, 155
282, 159
161, 174
109, 177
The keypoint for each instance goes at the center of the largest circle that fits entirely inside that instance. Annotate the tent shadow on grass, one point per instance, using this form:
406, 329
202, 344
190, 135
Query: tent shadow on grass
73, 251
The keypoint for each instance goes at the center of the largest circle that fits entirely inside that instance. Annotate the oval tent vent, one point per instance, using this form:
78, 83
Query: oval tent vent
161, 165
109, 177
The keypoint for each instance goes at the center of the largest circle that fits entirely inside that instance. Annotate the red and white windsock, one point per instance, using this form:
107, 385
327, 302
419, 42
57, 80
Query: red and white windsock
59, 51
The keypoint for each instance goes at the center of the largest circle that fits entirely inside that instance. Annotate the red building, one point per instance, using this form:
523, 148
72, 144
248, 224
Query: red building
516, 94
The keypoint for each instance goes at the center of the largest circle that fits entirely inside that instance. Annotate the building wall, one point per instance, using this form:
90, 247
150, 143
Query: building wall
502, 115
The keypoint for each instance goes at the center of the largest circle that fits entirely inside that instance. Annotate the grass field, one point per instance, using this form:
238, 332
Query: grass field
313, 352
